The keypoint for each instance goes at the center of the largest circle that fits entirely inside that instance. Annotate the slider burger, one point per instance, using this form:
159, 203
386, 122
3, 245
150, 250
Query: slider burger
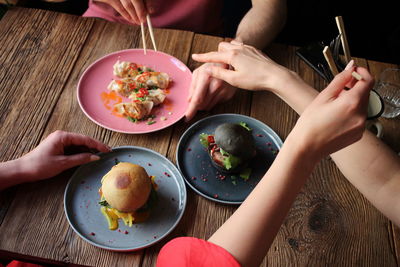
230, 148
126, 193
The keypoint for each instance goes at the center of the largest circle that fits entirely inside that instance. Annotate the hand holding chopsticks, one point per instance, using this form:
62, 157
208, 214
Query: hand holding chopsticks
151, 34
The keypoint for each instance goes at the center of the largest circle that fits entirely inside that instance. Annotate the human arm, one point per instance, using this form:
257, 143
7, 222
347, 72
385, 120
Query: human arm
262, 22
371, 166
332, 121
258, 27
48, 159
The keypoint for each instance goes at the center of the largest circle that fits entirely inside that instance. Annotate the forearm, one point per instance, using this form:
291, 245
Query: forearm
12, 173
250, 231
371, 166
262, 23
374, 169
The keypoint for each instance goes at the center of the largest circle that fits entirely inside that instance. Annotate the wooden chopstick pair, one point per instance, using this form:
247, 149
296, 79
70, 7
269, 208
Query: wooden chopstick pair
328, 54
151, 34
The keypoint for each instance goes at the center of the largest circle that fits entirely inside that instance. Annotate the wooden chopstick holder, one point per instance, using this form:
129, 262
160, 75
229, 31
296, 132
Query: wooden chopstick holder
329, 59
151, 32
343, 38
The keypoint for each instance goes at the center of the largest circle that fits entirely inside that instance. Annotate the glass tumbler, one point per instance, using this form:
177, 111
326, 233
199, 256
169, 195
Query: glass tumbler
388, 88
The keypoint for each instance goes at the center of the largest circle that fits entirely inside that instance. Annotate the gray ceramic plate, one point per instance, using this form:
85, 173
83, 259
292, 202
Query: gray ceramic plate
83, 211
195, 164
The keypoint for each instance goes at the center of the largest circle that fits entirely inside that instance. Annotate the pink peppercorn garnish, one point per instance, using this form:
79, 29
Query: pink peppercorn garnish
149, 164
166, 174
259, 135
126, 232
93, 234
193, 178
189, 149
204, 180
215, 196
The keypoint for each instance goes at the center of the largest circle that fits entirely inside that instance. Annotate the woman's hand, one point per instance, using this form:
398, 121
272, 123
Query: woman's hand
134, 11
250, 68
206, 91
336, 118
49, 158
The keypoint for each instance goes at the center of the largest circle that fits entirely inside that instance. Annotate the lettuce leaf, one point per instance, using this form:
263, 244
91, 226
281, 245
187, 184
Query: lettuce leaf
244, 125
230, 161
245, 174
204, 140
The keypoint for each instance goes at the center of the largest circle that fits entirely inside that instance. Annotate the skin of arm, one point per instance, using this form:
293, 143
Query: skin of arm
333, 120
258, 27
272, 198
48, 159
370, 165
262, 23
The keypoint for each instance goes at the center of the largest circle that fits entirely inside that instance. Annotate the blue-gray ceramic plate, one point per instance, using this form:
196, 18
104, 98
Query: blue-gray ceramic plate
195, 164
83, 211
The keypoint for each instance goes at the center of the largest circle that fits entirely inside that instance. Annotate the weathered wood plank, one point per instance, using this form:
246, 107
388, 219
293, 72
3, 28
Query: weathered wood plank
35, 61
32, 75
68, 116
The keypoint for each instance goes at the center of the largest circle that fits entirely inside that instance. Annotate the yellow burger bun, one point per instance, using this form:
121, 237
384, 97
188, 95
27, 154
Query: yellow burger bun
126, 187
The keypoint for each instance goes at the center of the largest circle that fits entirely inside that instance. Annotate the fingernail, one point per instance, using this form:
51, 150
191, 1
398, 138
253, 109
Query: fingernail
349, 65
94, 157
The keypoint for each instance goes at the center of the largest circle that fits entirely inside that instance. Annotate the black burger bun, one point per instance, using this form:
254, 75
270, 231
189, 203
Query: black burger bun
126, 187
235, 139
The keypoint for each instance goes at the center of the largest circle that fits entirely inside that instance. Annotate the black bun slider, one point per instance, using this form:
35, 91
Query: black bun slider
236, 140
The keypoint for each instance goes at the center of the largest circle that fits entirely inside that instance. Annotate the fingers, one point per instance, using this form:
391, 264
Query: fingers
121, 10
140, 9
337, 85
361, 88
77, 159
68, 139
199, 95
221, 73
215, 57
127, 4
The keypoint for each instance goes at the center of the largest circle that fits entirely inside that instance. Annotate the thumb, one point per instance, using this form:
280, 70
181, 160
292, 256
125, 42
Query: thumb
337, 84
78, 159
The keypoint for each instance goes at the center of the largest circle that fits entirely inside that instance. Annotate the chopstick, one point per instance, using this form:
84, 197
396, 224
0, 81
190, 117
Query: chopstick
151, 32
143, 38
356, 76
329, 59
343, 38
151, 35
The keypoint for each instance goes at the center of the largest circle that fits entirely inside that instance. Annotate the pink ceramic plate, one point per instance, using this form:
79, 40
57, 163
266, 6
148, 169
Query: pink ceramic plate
96, 78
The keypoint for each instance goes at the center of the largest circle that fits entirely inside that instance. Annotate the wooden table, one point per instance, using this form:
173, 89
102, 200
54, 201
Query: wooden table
42, 56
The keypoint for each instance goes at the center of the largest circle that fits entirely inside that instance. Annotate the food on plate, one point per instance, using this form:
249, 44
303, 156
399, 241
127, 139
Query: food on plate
154, 79
157, 96
142, 85
230, 147
125, 69
127, 192
134, 110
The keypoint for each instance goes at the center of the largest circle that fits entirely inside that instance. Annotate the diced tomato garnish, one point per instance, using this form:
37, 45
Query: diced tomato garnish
119, 82
144, 91
210, 139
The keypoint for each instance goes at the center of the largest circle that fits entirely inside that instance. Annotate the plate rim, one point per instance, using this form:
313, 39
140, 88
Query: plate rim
182, 192
280, 143
111, 54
